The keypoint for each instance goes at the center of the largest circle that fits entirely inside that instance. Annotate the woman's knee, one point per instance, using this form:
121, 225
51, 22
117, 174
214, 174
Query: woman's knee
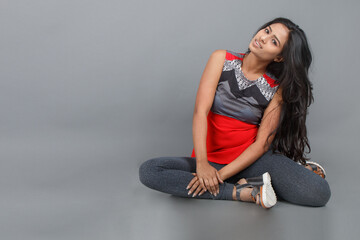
320, 192
308, 189
147, 172
313, 194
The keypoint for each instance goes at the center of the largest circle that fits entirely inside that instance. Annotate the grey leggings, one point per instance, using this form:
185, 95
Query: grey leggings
291, 181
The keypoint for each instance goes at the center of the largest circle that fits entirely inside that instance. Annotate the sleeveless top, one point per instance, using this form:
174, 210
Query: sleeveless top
237, 110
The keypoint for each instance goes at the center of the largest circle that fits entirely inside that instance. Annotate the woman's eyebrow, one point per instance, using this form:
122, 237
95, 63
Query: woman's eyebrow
275, 36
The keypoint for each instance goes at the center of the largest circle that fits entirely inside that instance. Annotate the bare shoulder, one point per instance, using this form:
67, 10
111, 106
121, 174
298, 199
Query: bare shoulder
217, 58
219, 54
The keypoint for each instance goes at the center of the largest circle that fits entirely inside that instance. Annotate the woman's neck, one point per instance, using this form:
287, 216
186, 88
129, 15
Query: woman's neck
253, 66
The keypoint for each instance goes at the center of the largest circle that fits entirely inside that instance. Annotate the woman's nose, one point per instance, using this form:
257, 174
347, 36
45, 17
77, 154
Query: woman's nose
263, 38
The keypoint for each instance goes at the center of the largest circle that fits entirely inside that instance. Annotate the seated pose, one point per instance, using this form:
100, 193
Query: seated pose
249, 129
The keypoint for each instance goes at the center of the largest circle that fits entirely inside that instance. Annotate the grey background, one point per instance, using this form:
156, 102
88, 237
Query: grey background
91, 89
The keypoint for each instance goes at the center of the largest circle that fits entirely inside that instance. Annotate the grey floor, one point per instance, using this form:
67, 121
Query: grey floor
76, 191
91, 89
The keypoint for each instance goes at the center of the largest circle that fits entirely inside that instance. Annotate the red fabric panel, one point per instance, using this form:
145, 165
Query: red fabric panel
231, 57
270, 81
227, 138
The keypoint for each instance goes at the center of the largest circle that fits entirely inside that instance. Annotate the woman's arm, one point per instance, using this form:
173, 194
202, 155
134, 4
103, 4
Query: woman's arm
207, 174
268, 124
204, 100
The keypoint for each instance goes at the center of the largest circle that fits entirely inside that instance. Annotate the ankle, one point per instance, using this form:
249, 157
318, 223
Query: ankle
241, 181
234, 194
308, 167
245, 194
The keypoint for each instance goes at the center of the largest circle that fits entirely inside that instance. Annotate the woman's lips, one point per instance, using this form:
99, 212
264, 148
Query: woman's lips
257, 44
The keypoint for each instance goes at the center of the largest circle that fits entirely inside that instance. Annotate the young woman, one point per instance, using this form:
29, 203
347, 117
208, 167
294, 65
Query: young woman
248, 125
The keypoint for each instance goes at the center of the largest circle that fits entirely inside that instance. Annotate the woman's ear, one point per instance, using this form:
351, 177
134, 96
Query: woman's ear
279, 59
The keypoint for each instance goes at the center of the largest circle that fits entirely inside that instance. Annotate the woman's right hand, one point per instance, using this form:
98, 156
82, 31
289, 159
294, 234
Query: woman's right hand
209, 177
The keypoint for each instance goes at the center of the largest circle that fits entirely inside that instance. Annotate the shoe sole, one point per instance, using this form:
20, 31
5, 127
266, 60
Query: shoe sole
318, 165
268, 196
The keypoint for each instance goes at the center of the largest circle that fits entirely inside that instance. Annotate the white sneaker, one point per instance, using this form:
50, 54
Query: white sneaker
261, 187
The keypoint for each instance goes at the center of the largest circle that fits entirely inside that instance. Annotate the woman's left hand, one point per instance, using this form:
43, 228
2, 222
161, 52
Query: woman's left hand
195, 186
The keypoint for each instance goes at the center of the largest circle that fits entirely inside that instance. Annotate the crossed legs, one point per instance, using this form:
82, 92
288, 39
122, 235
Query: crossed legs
291, 181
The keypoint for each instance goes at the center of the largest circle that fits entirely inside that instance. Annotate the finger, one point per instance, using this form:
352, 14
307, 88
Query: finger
202, 192
208, 187
212, 187
197, 191
201, 180
194, 187
191, 182
216, 185
219, 178
194, 174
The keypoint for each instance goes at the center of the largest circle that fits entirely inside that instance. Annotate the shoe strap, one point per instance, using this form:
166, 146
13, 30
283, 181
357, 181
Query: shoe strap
254, 192
255, 181
239, 187
313, 167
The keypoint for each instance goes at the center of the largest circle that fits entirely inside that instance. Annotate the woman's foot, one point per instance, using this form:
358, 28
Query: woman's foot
257, 189
316, 168
245, 193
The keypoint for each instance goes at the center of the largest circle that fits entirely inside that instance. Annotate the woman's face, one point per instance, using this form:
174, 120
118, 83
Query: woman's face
268, 43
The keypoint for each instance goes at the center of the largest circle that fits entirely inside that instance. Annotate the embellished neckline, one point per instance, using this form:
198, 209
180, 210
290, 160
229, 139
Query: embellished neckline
243, 75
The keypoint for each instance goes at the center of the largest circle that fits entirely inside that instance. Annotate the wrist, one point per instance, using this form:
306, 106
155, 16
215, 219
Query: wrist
201, 162
222, 174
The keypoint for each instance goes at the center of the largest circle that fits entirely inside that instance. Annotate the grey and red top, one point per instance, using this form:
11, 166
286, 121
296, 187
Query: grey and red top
240, 98
237, 110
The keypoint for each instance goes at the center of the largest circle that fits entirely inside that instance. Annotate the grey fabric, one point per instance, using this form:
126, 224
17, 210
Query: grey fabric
238, 97
255, 191
291, 181
173, 174
255, 181
225, 103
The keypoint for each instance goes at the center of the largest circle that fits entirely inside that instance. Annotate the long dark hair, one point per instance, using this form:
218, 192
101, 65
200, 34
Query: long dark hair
292, 75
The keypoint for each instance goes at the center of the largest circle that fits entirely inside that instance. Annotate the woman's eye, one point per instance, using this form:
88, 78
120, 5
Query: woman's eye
274, 41
266, 30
